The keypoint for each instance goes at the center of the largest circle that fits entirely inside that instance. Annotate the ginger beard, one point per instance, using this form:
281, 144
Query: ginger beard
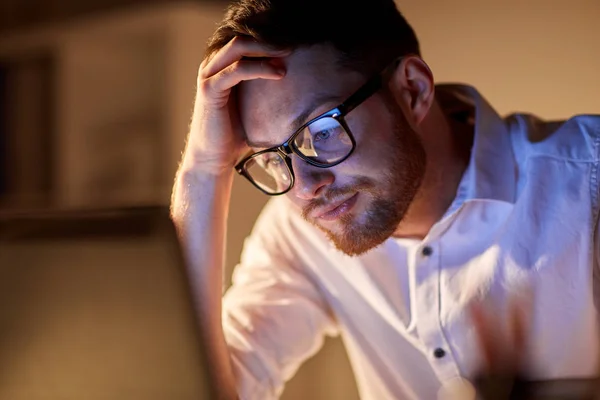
389, 198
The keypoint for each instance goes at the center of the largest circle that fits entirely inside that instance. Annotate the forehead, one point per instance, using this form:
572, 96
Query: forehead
313, 81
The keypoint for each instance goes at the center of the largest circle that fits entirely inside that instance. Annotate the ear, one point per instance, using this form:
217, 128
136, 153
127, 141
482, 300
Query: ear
413, 86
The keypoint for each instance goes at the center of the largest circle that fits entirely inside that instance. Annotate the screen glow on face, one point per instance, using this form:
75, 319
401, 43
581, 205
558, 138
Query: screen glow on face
325, 140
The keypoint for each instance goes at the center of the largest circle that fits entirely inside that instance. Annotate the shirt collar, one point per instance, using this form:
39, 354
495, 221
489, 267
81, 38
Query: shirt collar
491, 172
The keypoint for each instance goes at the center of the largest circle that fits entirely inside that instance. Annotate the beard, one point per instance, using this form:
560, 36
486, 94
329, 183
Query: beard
391, 196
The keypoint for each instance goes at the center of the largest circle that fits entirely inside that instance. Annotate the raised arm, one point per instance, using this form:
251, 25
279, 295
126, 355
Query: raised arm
202, 189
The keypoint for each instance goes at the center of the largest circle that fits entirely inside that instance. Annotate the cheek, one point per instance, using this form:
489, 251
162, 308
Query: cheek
372, 152
373, 128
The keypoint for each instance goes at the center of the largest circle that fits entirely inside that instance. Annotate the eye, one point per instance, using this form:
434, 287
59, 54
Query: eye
273, 162
322, 135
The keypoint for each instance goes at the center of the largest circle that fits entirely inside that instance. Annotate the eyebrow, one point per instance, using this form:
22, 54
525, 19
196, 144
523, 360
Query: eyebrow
302, 118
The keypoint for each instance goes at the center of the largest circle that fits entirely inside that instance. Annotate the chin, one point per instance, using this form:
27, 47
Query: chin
355, 244
356, 235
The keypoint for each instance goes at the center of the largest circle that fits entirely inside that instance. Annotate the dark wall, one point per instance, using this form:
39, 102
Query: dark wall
16, 14
27, 99
3, 128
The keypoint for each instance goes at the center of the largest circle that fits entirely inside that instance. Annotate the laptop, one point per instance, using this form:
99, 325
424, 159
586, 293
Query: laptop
96, 305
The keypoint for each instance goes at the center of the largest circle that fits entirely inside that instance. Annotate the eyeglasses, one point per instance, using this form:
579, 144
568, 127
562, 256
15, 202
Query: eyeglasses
324, 141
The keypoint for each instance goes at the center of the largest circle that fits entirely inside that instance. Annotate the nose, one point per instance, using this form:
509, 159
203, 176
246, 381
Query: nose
310, 181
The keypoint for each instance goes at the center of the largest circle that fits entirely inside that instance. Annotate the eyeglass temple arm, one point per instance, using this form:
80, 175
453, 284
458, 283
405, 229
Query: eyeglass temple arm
372, 86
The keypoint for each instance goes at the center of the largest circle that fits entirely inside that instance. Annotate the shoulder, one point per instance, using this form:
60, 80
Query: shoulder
280, 229
575, 139
280, 219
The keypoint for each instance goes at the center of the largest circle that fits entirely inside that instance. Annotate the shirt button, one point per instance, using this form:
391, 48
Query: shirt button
439, 353
427, 251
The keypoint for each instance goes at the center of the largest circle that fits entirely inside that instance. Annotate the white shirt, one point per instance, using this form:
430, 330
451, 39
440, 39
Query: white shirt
523, 221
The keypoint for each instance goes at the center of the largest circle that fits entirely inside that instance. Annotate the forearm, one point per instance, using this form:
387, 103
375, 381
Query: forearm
202, 189
199, 210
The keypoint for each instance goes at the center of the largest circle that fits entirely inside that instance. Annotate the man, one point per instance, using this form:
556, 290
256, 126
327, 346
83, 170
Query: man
436, 238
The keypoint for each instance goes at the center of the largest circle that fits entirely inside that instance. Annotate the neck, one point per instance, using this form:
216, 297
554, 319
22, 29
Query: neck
447, 143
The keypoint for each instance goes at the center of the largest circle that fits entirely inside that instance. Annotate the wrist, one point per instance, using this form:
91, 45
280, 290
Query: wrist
207, 164
195, 185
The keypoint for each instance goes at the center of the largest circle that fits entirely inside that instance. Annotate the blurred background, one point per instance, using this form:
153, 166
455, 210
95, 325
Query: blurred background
96, 97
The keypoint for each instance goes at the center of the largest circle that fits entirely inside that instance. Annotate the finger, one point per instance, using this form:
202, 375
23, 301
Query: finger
518, 336
239, 71
485, 337
237, 48
203, 64
520, 312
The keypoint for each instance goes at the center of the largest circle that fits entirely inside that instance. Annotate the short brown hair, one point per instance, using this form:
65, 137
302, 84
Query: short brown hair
366, 34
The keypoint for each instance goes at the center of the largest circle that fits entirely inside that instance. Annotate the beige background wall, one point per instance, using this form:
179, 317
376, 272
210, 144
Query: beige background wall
535, 56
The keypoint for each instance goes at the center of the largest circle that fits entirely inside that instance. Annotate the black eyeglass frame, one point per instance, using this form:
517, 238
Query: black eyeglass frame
338, 113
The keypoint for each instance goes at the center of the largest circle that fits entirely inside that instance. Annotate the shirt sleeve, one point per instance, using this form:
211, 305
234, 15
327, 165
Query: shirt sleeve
274, 316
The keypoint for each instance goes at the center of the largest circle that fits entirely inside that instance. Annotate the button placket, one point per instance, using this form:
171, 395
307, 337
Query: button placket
429, 324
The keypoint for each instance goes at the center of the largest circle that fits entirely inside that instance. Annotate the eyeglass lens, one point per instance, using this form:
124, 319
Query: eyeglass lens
324, 141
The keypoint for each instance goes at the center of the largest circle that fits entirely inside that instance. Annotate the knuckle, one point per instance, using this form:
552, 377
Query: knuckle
204, 87
202, 71
234, 42
237, 67
247, 44
238, 42
234, 67
202, 74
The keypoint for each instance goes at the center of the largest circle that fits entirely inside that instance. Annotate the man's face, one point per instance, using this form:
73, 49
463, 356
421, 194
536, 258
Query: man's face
360, 202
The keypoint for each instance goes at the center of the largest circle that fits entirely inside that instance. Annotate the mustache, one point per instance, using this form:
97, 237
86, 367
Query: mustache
332, 194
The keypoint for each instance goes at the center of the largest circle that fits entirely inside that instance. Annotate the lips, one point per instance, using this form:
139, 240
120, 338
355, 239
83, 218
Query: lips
337, 210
